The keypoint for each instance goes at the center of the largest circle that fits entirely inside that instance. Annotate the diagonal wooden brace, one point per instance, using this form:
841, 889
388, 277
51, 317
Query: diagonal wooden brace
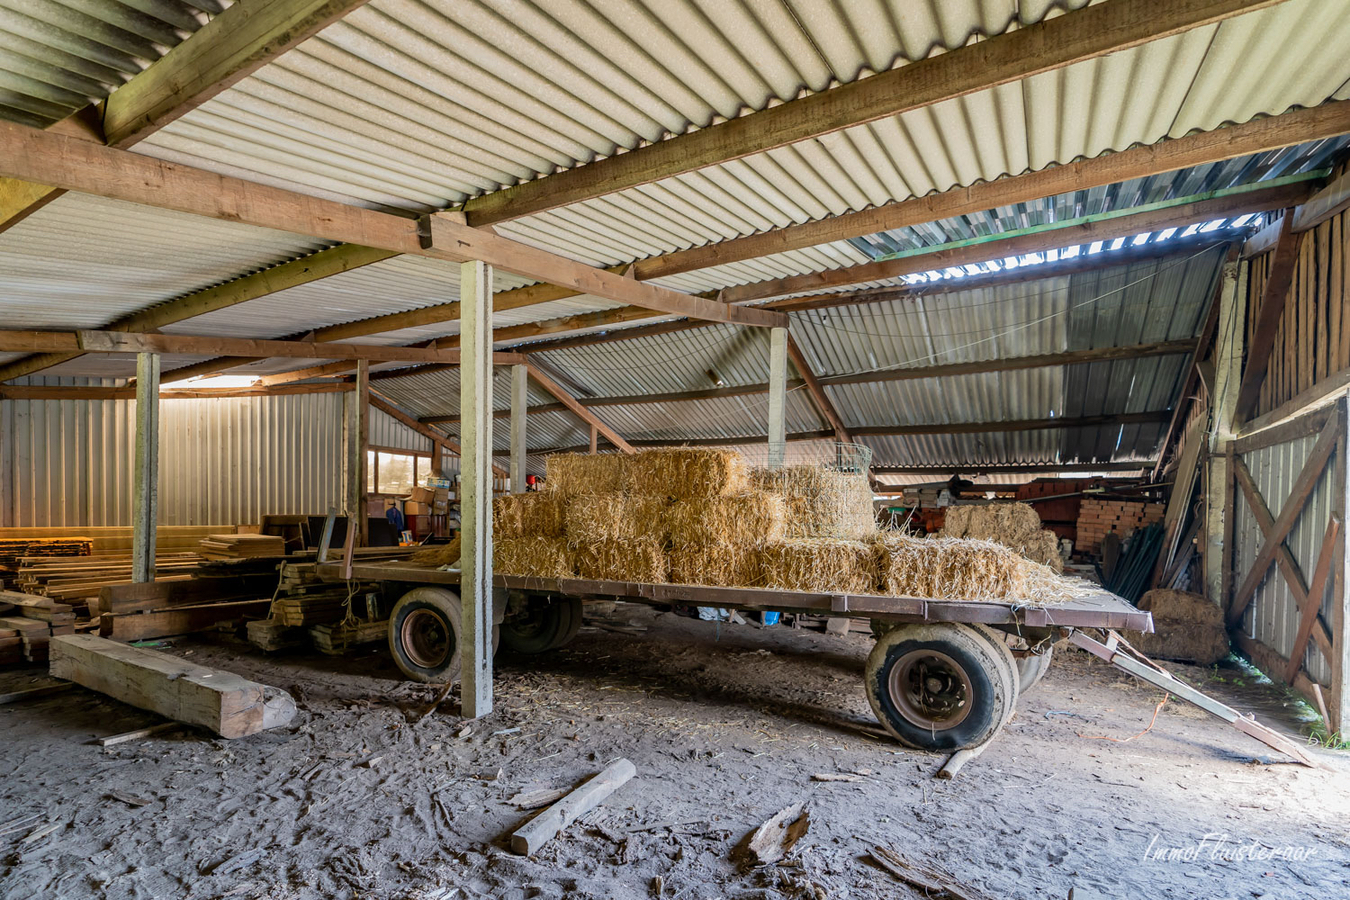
1123, 656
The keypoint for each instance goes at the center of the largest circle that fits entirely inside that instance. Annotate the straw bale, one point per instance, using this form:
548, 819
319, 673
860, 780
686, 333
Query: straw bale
582, 474
745, 519
537, 513
717, 564
533, 555
615, 517
1186, 627
942, 568
821, 502
438, 554
1014, 525
820, 564
687, 473
642, 560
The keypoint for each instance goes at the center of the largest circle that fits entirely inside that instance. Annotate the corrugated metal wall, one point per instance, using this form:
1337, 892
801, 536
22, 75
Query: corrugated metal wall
1272, 617
68, 463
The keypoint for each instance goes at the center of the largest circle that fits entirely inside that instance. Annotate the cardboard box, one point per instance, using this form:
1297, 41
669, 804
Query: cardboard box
422, 495
440, 508
413, 508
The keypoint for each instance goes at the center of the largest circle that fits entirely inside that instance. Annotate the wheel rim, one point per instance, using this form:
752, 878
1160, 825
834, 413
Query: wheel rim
930, 689
531, 623
426, 639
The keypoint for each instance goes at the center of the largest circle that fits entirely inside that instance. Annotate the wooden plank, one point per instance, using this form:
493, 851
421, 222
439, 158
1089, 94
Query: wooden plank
178, 620
34, 693
1263, 241
237, 42
56, 392
226, 703
1326, 204
1308, 614
1043, 47
1270, 312
78, 165
578, 410
527, 839
1293, 507
129, 598
113, 740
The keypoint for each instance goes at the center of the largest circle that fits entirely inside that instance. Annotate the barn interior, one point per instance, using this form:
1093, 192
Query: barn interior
674, 448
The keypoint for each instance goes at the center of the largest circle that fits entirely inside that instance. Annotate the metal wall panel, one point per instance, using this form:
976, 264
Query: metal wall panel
1272, 617
226, 461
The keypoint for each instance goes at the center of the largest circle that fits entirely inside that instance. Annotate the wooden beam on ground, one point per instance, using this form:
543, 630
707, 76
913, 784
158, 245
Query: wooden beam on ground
234, 44
1298, 497
78, 165
226, 703
145, 487
1107, 227
818, 395
577, 409
1054, 43
1270, 311
334, 261
475, 402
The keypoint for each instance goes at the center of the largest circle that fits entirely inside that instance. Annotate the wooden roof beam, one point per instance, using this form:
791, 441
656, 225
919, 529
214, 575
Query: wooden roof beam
234, 44
577, 409
1278, 281
1054, 43
78, 165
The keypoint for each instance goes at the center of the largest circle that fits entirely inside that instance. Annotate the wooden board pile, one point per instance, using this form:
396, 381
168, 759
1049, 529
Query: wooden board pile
76, 580
242, 546
161, 608
303, 599
14, 550
28, 625
1014, 525
1098, 517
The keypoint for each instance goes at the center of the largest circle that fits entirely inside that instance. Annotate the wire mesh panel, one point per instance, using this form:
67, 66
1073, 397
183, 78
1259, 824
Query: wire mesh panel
855, 459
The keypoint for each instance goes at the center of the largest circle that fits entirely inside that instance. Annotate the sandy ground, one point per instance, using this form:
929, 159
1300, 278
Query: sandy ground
726, 725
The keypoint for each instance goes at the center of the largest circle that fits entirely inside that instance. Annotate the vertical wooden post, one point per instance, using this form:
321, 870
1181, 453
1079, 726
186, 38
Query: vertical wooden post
1339, 705
520, 380
595, 440
778, 338
1219, 483
475, 513
437, 459
145, 493
358, 443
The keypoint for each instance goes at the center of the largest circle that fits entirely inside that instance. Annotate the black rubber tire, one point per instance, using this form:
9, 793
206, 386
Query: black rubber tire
1007, 666
1031, 669
430, 608
549, 625
982, 664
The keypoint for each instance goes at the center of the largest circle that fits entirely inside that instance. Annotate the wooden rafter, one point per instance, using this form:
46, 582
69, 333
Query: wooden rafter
578, 410
1264, 331
234, 44
1013, 469
384, 405
53, 392
79, 165
1084, 34
818, 395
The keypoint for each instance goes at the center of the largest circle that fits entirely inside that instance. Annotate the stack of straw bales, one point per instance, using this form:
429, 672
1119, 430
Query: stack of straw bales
1014, 525
944, 568
822, 503
527, 536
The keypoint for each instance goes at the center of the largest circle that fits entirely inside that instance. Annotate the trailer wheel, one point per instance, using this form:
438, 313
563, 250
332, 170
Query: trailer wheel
941, 687
424, 630
1032, 668
881, 628
540, 624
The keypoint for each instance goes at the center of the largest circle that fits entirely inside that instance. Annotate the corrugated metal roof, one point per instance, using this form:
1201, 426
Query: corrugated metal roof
83, 261
58, 56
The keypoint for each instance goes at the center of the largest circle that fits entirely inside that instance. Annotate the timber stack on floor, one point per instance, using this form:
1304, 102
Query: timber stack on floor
14, 551
28, 625
242, 546
77, 580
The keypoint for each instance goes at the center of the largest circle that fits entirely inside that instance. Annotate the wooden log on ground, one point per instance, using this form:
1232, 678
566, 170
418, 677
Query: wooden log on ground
957, 760
228, 704
179, 620
160, 594
545, 826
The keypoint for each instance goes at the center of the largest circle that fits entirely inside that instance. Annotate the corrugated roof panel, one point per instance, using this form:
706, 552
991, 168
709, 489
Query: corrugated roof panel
83, 261
61, 55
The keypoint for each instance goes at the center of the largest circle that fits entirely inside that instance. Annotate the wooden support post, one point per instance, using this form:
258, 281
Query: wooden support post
520, 381
475, 500
595, 440
1339, 701
145, 494
358, 443
1230, 338
437, 458
778, 339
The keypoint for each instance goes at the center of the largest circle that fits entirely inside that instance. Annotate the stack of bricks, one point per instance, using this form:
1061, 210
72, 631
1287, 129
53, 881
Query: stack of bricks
1099, 517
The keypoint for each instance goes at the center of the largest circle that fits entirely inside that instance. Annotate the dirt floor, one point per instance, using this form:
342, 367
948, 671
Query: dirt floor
725, 724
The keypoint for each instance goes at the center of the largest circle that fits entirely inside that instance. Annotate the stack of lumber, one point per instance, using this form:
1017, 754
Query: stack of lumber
27, 630
338, 638
242, 546
14, 550
137, 612
303, 599
1098, 517
76, 580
